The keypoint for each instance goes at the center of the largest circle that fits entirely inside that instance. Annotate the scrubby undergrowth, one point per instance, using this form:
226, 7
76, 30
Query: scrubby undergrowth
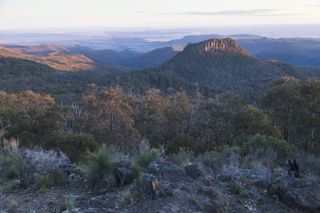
231, 178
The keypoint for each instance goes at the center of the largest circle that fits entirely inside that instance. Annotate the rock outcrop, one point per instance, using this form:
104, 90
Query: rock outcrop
298, 193
215, 46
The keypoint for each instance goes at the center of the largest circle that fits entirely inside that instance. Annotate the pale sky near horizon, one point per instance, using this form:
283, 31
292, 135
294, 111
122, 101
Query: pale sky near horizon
17, 14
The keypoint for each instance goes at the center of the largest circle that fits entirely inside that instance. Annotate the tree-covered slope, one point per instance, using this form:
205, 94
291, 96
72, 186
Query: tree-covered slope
224, 65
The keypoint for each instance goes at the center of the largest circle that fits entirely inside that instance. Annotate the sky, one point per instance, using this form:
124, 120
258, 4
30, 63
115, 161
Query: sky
33, 14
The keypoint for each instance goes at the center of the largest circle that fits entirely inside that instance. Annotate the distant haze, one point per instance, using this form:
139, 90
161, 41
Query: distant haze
104, 37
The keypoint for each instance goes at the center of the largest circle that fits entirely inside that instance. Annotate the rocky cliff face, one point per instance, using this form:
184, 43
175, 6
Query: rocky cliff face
227, 45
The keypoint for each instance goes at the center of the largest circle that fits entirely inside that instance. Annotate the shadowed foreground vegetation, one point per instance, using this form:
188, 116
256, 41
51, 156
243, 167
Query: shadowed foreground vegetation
133, 147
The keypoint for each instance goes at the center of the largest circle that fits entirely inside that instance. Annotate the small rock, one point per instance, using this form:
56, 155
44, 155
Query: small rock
96, 202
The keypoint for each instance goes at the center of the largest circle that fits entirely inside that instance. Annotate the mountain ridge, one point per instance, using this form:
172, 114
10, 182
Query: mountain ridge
59, 62
212, 65
222, 64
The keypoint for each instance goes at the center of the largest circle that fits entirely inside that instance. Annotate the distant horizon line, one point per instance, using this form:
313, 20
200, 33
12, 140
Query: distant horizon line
275, 31
71, 28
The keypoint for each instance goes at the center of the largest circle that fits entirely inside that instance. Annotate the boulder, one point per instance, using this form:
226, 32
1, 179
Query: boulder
45, 160
52, 163
123, 176
167, 171
301, 194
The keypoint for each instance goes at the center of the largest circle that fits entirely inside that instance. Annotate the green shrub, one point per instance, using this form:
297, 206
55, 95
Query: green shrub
183, 157
136, 169
68, 203
12, 206
261, 143
43, 182
238, 189
224, 155
15, 166
144, 159
98, 164
49, 180
74, 145
57, 178
12, 172
184, 141
127, 197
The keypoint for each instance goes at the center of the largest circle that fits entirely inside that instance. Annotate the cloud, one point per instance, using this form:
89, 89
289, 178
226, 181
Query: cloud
231, 12
255, 12
314, 4
142, 12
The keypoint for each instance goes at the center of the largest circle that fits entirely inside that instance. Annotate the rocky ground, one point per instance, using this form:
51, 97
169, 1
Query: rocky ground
194, 188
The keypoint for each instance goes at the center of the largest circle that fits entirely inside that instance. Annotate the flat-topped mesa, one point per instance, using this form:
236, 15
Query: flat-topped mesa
218, 45
223, 44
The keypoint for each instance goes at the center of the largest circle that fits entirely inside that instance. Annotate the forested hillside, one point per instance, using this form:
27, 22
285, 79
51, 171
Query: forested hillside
224, 65
289, 110
210, 69
60, 62
210, 130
